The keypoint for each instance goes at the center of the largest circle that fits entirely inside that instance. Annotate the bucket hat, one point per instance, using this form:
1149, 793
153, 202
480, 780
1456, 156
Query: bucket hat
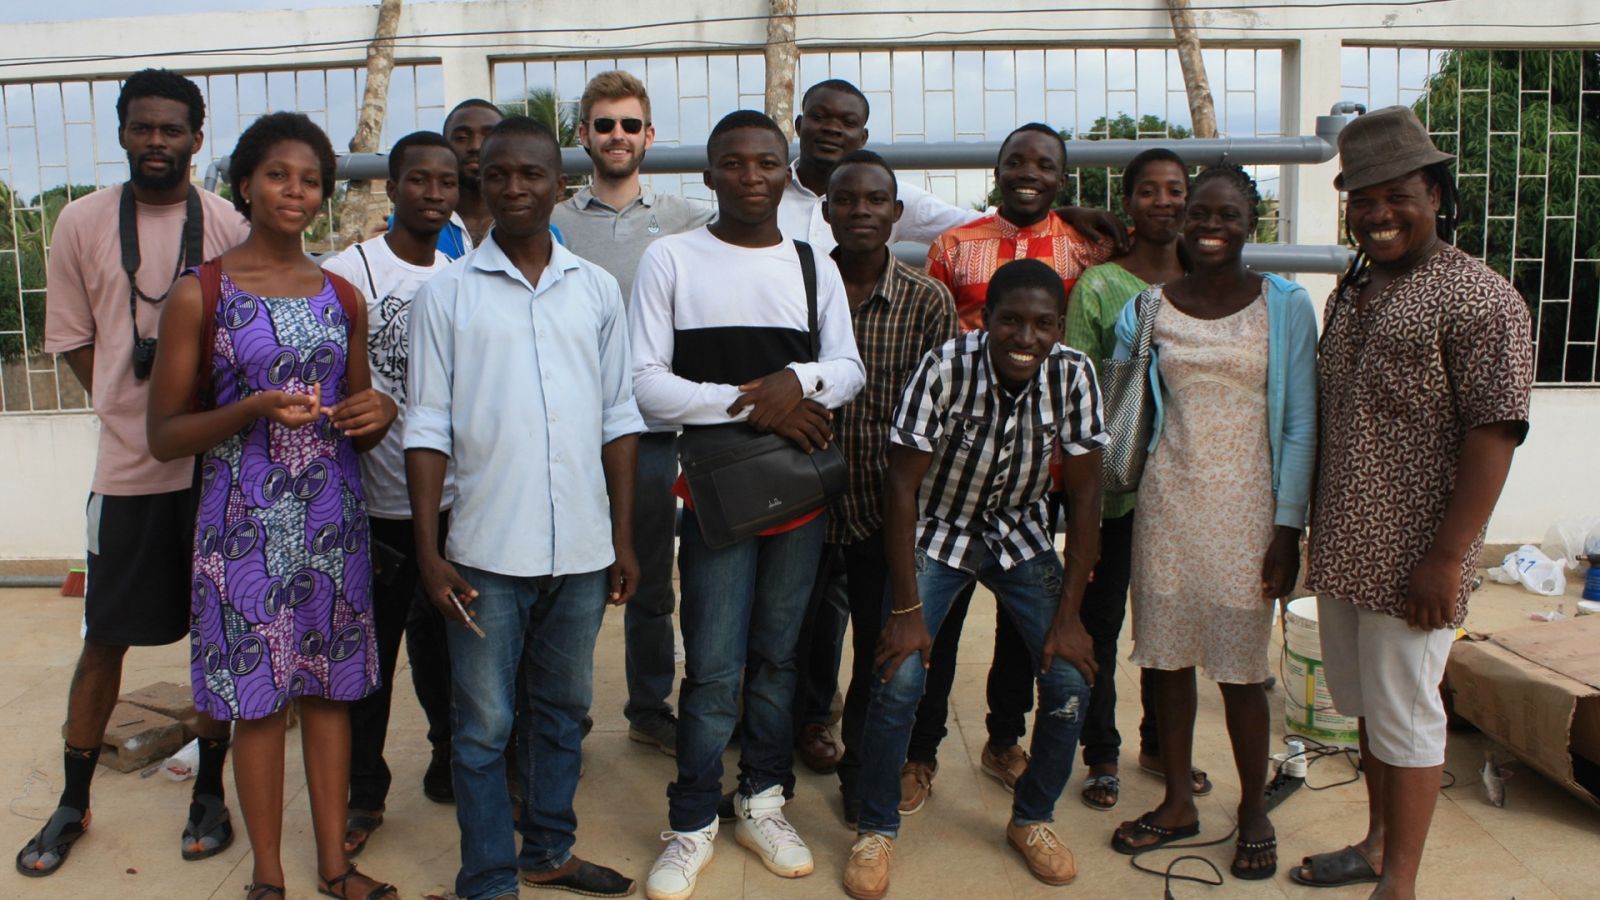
1383, 144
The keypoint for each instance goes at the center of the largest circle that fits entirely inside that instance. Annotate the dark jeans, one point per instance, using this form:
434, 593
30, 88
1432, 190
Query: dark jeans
866, 574
742, 604
394, 598
1009, 689
540, 632
1105, 605
1028, 594
647, 619
821, 648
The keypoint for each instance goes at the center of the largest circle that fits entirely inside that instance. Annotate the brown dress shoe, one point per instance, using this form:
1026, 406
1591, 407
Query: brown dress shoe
1048, 859
817, 748
916, 785
1007, 765
866, 875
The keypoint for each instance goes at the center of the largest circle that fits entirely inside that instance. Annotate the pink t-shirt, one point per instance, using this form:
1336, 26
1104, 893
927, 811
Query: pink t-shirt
86, 302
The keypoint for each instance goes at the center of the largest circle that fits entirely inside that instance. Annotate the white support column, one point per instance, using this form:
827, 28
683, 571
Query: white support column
466, 74
1311, 79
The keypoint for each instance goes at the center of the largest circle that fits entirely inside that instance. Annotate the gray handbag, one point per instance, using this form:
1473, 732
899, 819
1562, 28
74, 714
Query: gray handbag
1127, 403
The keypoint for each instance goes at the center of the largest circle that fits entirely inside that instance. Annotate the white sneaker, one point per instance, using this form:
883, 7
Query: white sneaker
673, 874
762, 829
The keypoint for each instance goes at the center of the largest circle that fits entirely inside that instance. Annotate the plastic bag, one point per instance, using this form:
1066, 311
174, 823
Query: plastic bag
1529, 567
182, 765
1568, 540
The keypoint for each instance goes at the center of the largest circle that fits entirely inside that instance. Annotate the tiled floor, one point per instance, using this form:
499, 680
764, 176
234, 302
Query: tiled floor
1542, 844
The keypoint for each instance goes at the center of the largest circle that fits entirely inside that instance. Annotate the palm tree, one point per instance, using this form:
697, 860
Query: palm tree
543, 106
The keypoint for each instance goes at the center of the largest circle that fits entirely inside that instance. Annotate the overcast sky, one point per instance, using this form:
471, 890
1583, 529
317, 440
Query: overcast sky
72, 10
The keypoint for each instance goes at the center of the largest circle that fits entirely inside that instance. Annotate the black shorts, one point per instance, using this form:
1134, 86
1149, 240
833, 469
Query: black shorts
140, 553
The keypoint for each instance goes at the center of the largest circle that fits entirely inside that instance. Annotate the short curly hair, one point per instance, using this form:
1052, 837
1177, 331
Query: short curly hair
271, 129
166, 84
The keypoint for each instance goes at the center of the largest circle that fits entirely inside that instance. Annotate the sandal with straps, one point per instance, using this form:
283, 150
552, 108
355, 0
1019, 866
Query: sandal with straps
210, 834
263, 891
49, 848
1107, 785
327, 886
1243, 849
1145, 825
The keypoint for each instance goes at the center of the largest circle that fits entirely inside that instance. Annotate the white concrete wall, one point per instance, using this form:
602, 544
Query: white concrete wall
46, 461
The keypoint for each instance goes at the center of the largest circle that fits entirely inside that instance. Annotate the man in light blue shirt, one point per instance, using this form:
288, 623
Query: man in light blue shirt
538, 417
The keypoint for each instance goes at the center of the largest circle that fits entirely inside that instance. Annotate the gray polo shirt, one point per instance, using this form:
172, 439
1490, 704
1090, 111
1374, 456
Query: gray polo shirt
615, 239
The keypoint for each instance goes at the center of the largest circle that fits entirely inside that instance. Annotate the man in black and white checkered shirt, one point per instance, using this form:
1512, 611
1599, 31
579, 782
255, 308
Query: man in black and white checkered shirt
969, 468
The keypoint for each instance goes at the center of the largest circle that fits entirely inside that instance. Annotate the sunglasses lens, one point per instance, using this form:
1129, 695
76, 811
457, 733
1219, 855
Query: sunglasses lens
604, 126
633, 126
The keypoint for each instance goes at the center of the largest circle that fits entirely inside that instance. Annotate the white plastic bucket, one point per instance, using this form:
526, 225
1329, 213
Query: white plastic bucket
1307, 706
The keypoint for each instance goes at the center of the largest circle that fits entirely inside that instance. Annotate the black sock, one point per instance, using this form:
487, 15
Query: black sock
208, 775
79, 765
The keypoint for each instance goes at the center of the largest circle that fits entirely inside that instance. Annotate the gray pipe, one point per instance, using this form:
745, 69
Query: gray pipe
1330, 259
31, 581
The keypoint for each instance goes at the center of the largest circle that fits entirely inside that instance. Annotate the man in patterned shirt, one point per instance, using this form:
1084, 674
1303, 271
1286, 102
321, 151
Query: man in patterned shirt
1427, 365
972, 438
899, 314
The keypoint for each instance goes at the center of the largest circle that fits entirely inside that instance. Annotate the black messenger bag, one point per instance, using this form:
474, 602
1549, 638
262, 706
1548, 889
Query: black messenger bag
742, 481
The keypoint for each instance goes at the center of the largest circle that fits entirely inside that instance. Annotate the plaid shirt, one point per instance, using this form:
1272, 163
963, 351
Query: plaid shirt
985, 492
907, 315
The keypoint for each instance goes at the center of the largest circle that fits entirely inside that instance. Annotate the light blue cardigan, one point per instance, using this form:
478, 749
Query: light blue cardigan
1291, 392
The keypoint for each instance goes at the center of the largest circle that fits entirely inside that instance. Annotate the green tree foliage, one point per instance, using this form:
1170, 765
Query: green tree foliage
1101, 188
25, 229
543, 106
1525, 124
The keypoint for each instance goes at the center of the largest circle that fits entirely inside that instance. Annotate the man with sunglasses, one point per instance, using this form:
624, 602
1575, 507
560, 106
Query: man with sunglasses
611, 222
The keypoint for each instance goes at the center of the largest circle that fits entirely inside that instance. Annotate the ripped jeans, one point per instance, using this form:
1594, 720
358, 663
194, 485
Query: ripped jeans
1029, 593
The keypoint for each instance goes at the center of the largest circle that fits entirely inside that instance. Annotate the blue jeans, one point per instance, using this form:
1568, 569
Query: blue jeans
1030, 594
548, 625
647, 619
741, 604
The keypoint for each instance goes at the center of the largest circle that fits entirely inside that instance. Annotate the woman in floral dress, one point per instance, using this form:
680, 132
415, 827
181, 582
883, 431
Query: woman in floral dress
281, 607
1222, 501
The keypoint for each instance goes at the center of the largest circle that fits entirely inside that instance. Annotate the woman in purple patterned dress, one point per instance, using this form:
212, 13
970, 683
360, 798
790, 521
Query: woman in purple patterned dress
281, 608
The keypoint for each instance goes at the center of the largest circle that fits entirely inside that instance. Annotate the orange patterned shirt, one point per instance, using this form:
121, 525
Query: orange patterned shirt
966, 257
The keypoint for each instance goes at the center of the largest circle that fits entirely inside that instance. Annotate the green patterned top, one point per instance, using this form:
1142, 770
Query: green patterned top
1097, 299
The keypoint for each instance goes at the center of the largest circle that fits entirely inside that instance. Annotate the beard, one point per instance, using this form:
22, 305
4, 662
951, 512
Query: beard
611, 168
177, 172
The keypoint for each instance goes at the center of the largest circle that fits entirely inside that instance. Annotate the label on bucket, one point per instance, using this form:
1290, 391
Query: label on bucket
1307, 705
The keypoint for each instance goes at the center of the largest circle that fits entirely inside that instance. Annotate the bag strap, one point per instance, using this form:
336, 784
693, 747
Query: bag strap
349, 298
1149, 301
210, 275
372, 286
808, 270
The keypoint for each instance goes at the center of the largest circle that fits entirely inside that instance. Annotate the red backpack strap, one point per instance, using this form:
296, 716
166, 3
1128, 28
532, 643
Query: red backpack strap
349, 298
210, 275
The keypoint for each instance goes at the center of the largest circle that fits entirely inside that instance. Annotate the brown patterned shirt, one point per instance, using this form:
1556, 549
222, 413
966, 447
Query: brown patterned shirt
1441, 350
907, 315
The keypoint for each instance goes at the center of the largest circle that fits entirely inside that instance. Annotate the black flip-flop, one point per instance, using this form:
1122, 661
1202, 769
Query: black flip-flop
363, 820
1109, 784
212, 833
1143, 825
1335, 868
1251, 848
54, 841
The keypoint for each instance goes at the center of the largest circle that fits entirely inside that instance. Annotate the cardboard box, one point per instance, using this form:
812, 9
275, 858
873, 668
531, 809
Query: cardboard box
1536, 689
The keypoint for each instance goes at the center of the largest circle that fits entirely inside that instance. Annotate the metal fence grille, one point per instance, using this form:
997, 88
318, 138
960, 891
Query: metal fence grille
930, 94
1525, 126
58, 141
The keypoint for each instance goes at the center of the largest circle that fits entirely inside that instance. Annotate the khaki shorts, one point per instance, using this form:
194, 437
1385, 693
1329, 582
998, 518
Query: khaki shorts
1387, 673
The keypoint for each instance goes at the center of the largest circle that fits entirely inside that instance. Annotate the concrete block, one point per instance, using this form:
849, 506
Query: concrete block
173, 700
137, 737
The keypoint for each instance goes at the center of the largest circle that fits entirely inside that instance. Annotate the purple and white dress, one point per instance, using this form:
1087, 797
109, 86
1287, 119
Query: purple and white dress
282, 593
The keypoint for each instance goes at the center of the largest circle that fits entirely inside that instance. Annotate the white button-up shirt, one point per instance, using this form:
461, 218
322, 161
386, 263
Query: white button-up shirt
521, 385
925, 218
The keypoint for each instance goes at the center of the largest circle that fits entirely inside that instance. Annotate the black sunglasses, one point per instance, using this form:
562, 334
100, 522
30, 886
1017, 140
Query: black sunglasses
605, 124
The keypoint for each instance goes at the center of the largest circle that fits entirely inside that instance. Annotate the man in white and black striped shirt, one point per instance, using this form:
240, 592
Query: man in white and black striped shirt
969, 468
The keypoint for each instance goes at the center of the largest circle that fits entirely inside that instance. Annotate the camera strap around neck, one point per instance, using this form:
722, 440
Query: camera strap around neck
190, 254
